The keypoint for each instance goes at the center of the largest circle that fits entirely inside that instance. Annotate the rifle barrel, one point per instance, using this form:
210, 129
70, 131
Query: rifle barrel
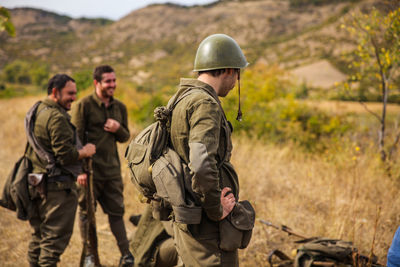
283, 228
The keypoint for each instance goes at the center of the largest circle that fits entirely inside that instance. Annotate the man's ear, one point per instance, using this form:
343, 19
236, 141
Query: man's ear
95, 82
54, 92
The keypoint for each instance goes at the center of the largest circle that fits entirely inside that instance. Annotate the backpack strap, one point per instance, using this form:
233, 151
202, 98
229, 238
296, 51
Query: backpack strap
190, 91
30, 120
163, 114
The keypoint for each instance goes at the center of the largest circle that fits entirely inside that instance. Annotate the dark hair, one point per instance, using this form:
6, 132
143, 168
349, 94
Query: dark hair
58, 81
98, 71
215, 73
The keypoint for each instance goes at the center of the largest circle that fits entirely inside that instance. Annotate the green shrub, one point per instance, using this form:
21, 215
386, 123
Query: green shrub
17, 72
23, 72
83, 79
39, 74
272, 112
143, 114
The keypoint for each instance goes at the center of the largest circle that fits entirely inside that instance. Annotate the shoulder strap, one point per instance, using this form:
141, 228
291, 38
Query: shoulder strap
177, 98
163, 114
30, 119
182, 96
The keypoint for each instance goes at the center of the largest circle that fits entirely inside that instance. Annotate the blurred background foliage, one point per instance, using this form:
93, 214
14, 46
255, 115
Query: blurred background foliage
273, 110
276, 106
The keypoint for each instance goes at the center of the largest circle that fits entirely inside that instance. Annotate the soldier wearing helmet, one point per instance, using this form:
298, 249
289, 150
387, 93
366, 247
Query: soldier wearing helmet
201, 135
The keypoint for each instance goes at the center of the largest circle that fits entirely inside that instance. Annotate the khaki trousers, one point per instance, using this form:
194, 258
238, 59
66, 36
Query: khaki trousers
52, 226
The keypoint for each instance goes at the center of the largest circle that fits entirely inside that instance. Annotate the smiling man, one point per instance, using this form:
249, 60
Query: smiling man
55, 197
102, 120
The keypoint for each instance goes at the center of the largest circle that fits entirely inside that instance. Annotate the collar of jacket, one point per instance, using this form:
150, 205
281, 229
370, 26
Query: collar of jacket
50, 103
98, 101
188, 83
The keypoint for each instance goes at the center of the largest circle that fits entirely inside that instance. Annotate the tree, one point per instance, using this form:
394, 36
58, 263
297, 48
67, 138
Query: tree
5, 22
376, 60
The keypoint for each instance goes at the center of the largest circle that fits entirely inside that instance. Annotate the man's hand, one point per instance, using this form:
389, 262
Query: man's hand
87, 151
82, 179
228, 202
111, 125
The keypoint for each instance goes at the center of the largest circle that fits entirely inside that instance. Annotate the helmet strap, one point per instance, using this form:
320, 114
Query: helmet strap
239, 115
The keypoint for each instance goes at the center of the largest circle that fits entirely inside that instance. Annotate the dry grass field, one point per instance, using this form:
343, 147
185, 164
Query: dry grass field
343, 193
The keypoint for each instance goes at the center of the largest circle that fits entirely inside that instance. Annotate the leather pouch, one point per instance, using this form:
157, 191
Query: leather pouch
236, 229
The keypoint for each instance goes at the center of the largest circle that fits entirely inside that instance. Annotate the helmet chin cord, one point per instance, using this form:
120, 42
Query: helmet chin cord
239, 115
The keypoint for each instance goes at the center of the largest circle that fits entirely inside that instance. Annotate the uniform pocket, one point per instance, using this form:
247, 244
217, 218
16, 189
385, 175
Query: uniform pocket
139, 169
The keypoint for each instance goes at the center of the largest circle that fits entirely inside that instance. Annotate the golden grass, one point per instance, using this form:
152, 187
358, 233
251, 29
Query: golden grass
334, 195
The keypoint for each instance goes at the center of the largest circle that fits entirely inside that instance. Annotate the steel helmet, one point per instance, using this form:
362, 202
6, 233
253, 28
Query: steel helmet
219, 51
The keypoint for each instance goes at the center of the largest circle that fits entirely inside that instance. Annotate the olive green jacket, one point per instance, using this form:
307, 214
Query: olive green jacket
89, 116
201, 135
56, 134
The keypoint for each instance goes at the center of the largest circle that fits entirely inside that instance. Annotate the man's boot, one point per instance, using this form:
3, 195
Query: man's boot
126, 260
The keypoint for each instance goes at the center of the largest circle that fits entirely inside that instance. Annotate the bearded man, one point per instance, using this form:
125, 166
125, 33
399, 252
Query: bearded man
102, 120
54, 197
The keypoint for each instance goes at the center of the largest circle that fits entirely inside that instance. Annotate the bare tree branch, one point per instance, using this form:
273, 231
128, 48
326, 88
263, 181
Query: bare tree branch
393, 147
370, 111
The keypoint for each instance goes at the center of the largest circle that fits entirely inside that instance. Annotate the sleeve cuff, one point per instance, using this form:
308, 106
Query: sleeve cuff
122, 134
214, 212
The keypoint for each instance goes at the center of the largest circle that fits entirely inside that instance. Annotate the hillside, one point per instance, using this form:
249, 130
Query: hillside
46, 37
143, 44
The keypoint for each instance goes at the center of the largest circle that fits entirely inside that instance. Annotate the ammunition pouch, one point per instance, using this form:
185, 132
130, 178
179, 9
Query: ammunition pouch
236, 229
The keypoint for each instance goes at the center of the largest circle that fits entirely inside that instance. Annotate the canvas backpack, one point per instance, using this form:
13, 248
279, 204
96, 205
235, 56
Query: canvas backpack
158, 172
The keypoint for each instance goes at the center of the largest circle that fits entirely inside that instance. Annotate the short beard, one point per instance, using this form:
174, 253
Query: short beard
105, 94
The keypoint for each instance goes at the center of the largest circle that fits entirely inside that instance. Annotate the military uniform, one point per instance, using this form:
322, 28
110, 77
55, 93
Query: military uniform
54, 215
89, 116
152, 244
201, 135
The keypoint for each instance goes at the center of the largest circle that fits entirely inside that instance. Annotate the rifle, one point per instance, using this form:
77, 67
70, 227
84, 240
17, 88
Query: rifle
357, 258
283, 228
90, 235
